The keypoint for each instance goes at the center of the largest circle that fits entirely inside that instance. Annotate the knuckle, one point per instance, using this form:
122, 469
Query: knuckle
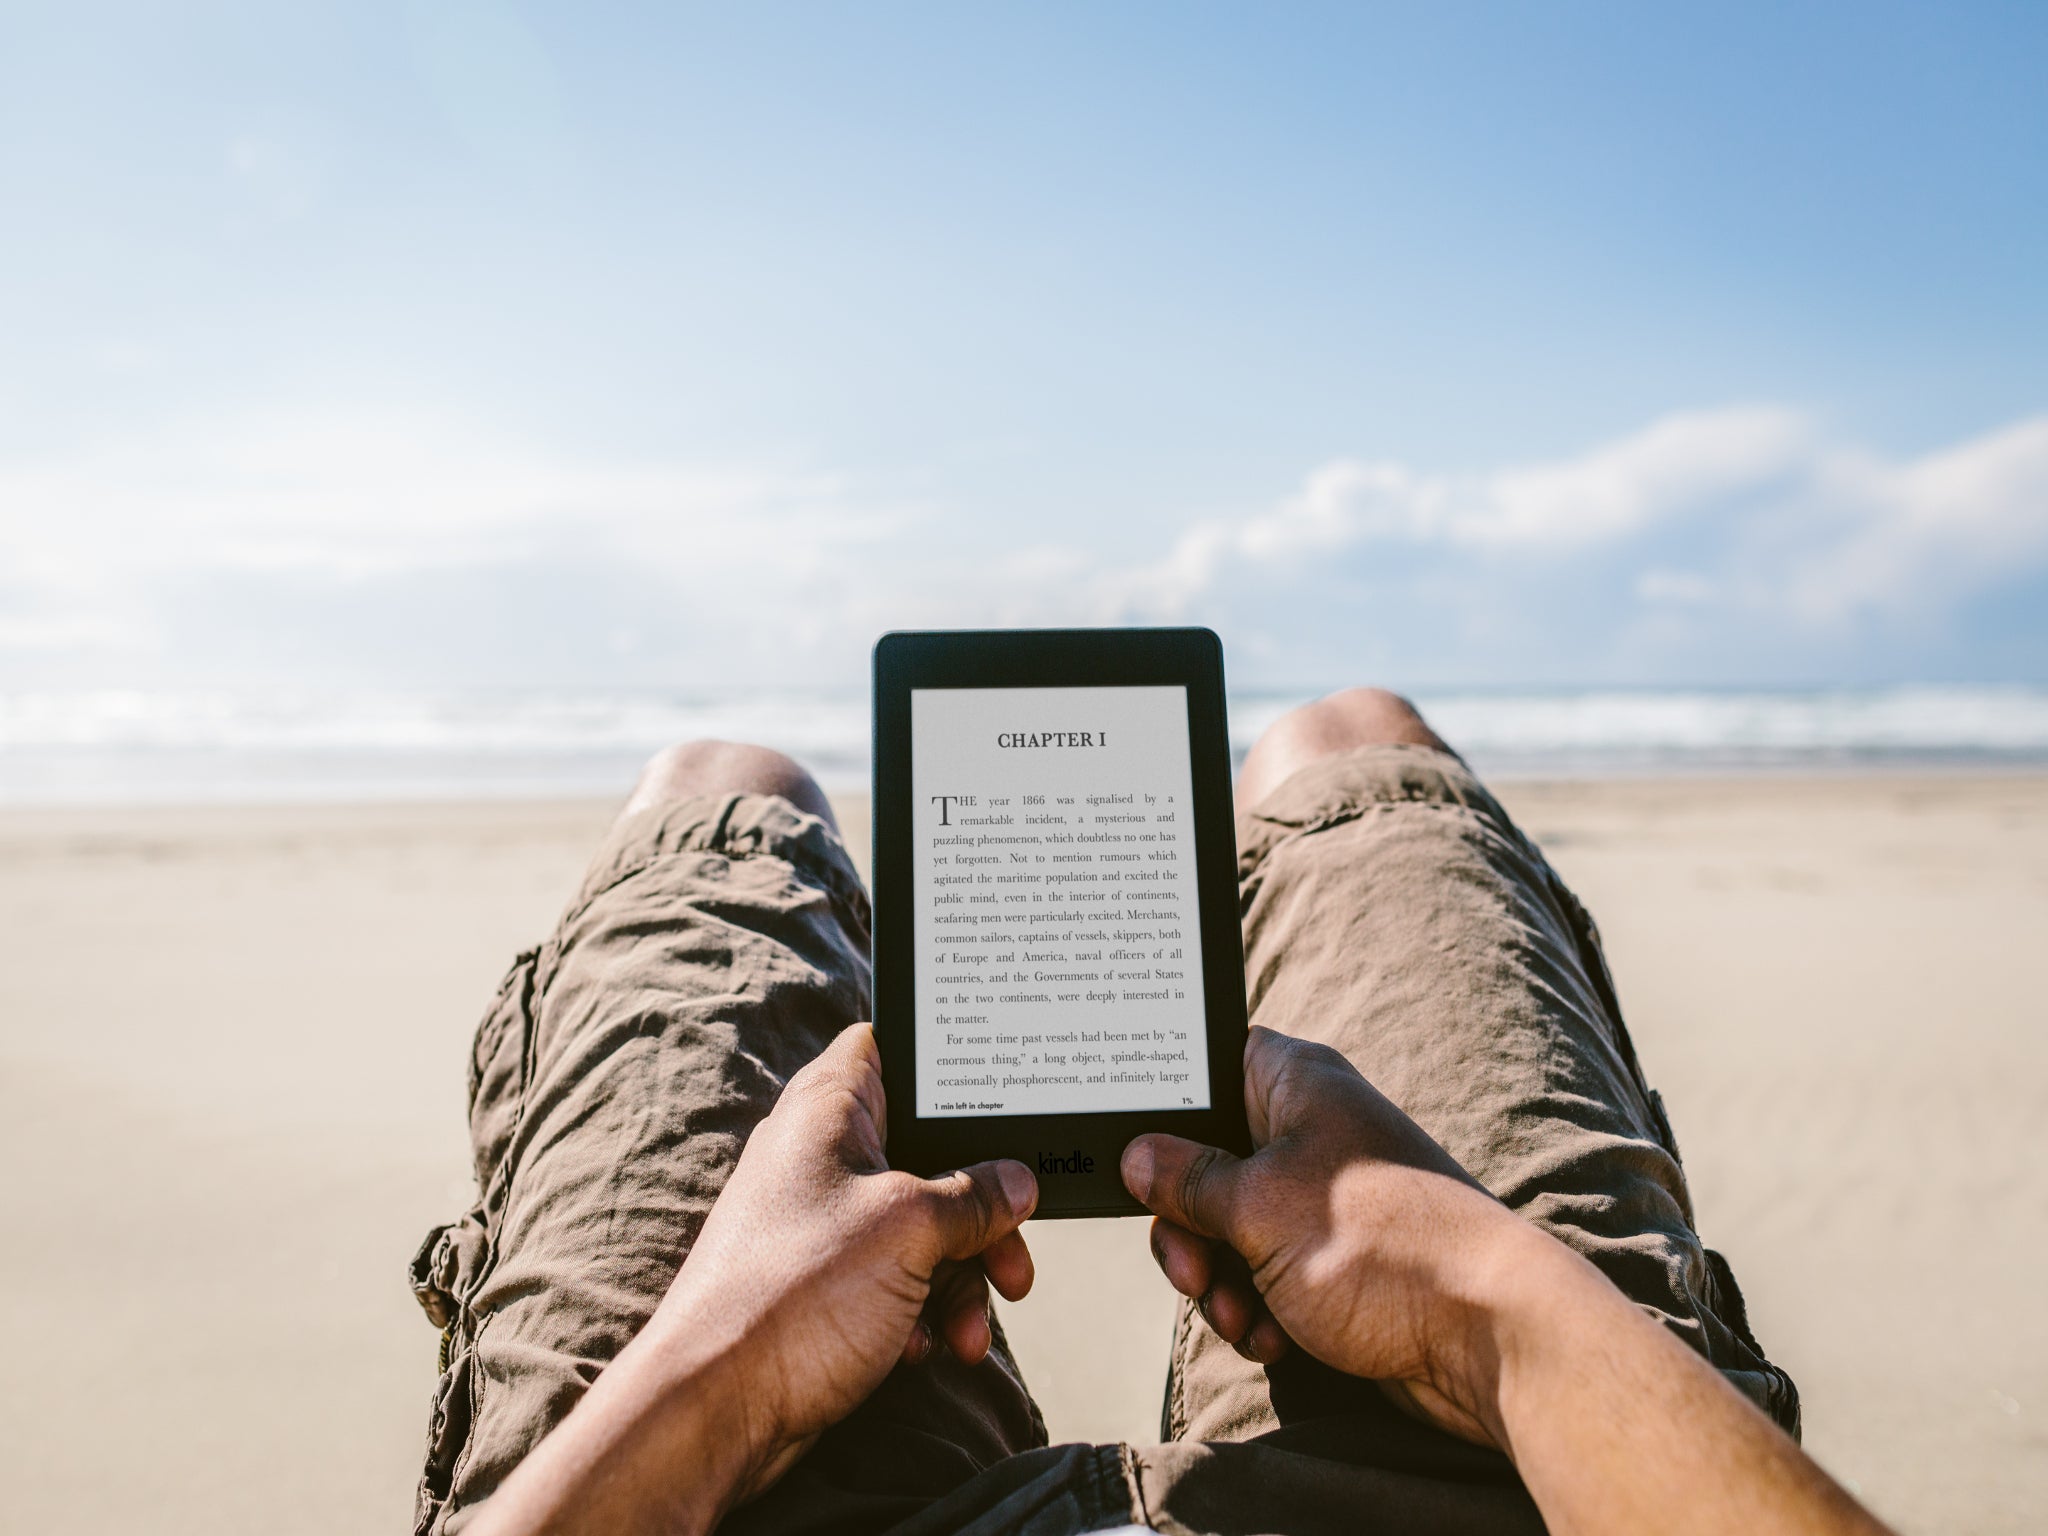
979, 1202
1193, 1177
939, 1202
898, 1197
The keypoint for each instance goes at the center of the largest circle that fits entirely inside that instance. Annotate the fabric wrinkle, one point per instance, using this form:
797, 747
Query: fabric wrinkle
1391, 908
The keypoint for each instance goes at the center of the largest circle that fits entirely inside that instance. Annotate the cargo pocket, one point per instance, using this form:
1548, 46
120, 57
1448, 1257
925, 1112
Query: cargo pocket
454, 1406
445, 1274
449, 1268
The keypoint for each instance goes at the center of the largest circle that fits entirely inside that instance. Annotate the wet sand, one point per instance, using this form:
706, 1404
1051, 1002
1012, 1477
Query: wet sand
232, 1046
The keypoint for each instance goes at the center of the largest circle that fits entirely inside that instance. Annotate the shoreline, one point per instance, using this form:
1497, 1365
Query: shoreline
433, 797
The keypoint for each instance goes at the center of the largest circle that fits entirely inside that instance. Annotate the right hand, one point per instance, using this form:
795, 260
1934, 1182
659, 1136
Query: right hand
823, 1267
1363, 1240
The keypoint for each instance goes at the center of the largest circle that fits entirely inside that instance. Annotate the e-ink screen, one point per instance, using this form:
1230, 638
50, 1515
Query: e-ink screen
1059, 948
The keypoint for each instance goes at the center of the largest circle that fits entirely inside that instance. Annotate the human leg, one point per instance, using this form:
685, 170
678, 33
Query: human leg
1339, 722
1393, 911
691, 768
719, 939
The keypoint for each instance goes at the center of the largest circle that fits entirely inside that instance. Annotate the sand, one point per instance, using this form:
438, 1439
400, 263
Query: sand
232, 1046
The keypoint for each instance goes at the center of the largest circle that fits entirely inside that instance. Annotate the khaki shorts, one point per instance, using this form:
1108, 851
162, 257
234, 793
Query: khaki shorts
1391, 909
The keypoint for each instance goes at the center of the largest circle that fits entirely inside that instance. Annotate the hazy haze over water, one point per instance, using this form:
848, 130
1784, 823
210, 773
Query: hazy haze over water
114, 746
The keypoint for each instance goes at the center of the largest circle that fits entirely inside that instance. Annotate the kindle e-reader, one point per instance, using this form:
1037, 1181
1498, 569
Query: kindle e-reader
1058, 966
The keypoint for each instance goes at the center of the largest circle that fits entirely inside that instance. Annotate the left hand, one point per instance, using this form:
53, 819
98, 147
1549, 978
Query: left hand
822, 1268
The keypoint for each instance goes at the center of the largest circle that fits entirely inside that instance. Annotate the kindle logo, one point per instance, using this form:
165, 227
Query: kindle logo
1073, 1162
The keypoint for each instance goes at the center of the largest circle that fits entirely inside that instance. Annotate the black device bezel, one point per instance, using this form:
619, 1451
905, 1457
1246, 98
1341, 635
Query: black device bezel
1056, 658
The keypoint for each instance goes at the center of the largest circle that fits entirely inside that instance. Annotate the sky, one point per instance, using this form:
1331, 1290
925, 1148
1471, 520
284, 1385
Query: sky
483, 345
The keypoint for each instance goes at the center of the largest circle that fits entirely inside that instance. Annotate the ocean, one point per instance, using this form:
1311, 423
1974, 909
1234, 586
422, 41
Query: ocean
114, 746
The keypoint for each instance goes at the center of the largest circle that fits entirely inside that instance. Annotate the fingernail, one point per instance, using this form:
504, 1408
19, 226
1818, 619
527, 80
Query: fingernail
1019, 1188
1137, 1170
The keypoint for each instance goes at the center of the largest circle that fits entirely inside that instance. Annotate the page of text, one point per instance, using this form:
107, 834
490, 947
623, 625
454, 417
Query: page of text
1059, 961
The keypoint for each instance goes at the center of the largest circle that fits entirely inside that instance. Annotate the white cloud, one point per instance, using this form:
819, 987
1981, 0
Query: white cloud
367, 495
1929, 532
100, 545
1677, 463
1674, 465
1805, 527
64, 632
1706, 541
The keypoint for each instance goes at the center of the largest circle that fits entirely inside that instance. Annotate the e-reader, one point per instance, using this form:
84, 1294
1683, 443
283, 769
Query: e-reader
1058, 963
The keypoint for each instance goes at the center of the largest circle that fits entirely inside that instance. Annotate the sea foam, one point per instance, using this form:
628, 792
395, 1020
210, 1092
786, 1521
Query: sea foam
125, 745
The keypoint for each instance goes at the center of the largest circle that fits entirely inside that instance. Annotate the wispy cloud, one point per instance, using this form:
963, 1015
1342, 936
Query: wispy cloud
1931, 531
1774, 514
366, 494
1705, 543
136, 547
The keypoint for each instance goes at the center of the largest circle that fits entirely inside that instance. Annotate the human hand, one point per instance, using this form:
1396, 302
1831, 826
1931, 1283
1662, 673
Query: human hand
821, 1268
1349, 1232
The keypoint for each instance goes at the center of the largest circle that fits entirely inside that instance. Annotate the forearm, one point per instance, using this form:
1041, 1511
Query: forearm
1617, 1427
656, 1446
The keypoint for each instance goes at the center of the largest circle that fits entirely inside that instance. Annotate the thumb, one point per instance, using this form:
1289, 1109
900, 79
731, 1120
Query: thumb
852, 1060
970, 1209
1191, 1185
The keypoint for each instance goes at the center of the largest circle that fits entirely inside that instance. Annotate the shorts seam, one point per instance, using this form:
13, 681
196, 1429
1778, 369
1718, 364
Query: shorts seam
1177, 1395
1133, 1489
476, 1393
501, 1175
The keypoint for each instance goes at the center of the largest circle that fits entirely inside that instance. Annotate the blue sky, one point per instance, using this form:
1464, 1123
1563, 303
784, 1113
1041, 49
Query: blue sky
477, 344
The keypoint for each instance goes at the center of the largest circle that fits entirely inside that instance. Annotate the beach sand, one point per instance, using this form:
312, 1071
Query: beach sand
232, 1047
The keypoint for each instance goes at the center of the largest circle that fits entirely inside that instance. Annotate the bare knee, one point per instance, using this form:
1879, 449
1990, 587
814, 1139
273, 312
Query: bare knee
726, 767
1357, 717
1354, 717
